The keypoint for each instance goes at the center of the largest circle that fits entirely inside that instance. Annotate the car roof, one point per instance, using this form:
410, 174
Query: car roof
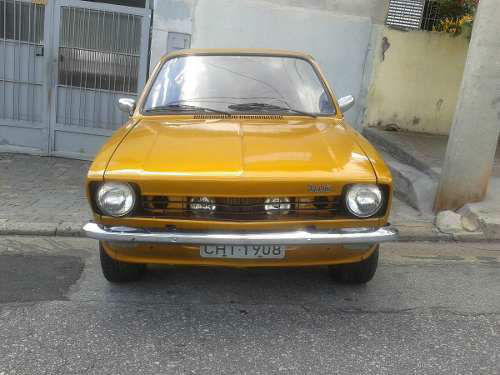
237, 51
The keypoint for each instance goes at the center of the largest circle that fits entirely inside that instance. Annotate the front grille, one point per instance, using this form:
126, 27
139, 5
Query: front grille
243, 209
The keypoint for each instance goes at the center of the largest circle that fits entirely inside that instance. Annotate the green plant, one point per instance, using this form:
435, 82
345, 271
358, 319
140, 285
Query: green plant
456, 17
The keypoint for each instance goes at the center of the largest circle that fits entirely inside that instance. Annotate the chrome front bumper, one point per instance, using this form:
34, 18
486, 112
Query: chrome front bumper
302, 237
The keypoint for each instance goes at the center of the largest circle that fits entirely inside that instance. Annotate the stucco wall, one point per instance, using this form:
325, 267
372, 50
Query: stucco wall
336, 32
415, 85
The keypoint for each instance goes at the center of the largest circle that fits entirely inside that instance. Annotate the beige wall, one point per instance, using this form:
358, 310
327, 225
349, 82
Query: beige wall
416, 85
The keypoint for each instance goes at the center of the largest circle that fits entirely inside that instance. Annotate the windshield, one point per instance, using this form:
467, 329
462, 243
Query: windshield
239, 84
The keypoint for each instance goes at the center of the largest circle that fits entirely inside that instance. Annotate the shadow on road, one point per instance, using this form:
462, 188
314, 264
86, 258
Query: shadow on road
180, 285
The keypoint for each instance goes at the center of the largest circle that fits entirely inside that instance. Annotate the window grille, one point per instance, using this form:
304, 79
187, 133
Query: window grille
99, 50
21, 21
127, 3
405, 14
431, 15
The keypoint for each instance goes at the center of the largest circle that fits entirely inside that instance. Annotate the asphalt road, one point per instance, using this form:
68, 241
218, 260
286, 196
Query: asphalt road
431, 309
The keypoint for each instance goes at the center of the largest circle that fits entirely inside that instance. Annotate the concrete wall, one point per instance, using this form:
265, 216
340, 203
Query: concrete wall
336, 32
414, 85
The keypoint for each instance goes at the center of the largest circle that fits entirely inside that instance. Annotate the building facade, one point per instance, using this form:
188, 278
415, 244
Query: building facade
66, 62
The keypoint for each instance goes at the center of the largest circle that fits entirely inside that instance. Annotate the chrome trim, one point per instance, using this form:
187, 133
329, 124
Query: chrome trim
300, 237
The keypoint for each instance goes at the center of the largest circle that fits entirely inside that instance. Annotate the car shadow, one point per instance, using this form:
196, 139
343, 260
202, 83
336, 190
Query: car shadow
218, 285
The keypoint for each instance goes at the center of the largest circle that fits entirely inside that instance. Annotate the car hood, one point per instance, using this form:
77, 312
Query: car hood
165, 155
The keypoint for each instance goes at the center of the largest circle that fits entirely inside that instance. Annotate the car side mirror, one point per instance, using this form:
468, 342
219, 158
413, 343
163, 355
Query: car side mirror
346, 103
127, 105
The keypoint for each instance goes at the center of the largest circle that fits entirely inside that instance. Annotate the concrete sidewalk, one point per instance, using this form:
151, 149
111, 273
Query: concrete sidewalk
45, 196
415, 160
42, 195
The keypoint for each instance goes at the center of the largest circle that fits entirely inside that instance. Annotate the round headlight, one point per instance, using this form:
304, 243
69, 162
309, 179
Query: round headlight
277, 206
363, 200
202, 205
115, 198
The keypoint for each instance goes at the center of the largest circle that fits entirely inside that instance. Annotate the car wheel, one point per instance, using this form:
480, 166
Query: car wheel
356, 273
119, 272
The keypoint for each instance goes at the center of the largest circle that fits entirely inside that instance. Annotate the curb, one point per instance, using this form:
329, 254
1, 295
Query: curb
41, 229
408, 233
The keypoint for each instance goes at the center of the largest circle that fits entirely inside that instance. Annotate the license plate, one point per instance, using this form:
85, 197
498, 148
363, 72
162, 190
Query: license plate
243, 251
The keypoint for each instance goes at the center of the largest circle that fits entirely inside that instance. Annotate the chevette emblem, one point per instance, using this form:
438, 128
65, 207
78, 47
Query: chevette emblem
325, 188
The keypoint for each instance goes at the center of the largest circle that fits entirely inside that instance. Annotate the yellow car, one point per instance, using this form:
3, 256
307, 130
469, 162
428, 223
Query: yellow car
239, 158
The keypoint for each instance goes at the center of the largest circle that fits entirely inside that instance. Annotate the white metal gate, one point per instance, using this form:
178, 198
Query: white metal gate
24, 84
65, 64
101, 53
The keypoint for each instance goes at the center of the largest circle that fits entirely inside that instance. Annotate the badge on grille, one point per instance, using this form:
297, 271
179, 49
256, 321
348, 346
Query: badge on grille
326, 188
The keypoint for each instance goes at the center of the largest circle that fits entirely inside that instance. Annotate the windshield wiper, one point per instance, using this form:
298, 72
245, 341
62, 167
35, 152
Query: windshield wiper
183, 108
266, 106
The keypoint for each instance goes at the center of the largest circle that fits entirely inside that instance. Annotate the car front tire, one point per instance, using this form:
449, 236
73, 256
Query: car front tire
119, 272
356, 273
